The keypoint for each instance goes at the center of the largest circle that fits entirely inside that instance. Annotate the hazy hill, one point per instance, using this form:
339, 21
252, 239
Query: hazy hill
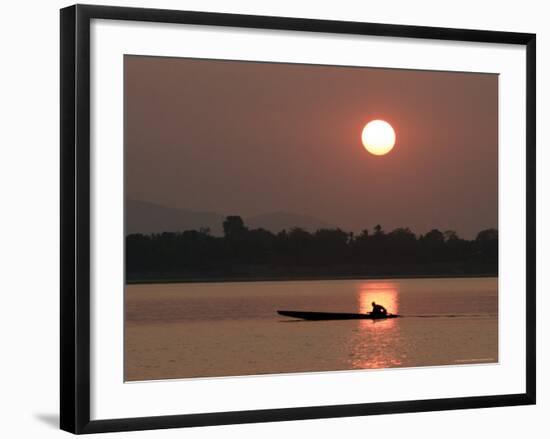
145, 217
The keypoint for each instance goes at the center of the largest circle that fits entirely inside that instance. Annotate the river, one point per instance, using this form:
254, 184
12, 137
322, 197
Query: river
189, 330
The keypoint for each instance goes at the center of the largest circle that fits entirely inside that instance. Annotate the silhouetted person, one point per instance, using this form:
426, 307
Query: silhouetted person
378, 310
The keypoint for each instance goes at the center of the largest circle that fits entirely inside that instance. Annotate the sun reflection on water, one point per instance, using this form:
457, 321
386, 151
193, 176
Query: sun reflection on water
383, 293
376, 344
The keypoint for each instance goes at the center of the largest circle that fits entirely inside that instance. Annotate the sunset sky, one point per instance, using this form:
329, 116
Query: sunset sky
249, 138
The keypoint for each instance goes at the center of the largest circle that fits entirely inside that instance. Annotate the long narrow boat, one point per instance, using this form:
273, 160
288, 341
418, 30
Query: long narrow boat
311, 315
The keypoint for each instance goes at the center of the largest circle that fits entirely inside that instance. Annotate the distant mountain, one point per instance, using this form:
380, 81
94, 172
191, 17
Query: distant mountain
145, 217
277, 221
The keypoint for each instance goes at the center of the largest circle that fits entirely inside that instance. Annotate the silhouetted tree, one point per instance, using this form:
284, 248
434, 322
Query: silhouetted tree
233, 226
241, 252
434, 236
450, 235
487, 246
488, 235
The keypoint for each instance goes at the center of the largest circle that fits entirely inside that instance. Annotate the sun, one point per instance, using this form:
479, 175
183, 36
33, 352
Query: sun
378, 137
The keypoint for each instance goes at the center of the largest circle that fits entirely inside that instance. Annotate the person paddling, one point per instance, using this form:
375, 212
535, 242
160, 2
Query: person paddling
378, 310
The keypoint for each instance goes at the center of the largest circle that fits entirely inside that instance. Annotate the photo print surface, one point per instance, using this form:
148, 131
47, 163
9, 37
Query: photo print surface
286, 218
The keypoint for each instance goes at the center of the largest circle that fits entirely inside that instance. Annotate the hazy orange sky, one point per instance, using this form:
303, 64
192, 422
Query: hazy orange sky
249, 138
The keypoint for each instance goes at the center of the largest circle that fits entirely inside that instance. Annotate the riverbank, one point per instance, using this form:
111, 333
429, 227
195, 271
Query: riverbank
176, 280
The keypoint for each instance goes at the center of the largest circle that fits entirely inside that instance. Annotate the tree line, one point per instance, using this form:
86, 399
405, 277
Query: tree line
243, 253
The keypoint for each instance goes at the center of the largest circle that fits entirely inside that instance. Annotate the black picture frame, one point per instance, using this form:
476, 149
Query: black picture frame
75, 217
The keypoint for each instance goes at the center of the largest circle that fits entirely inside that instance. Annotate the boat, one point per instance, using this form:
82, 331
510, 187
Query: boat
312, 315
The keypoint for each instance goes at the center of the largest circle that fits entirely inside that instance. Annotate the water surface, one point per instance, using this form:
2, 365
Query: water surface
226, 329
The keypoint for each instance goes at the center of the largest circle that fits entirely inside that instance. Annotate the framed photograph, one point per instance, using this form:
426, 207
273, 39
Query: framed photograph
268, 218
